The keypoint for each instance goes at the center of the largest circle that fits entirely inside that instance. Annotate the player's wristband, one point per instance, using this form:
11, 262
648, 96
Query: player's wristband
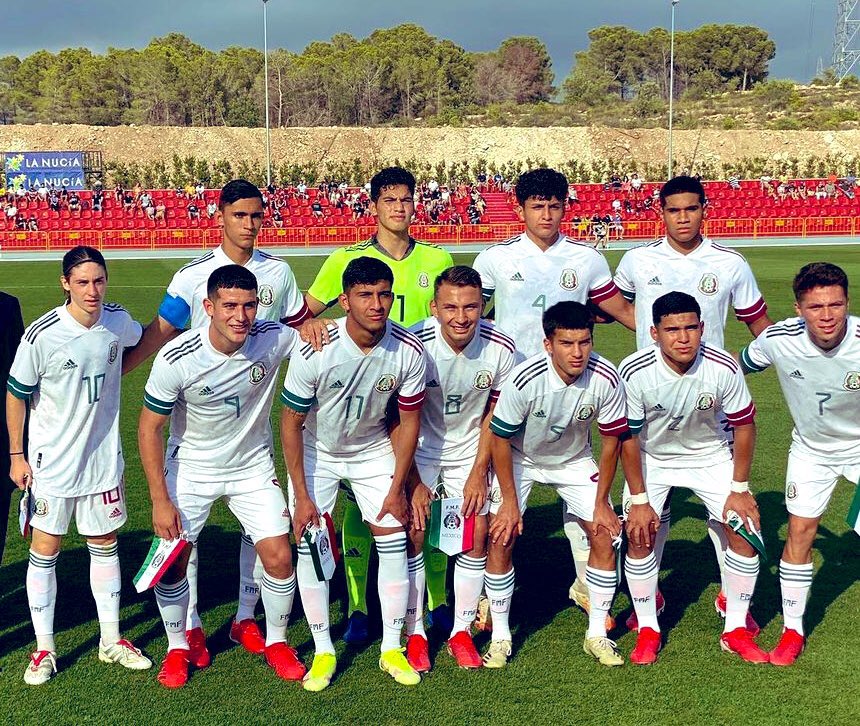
740, 487
641, 498
16, 453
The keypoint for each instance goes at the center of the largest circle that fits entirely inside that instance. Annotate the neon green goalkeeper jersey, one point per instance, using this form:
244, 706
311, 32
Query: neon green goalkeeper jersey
414, 276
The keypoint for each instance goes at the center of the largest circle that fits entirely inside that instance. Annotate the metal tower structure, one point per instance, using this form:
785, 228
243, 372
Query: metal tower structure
846, 44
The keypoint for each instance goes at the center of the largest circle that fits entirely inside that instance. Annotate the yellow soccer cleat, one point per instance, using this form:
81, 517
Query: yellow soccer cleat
394, 663
321, 672
497, 654
604, 650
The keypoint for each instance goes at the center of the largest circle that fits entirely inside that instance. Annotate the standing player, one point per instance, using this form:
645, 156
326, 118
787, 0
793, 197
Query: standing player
215, 385
415, 266
333, 427
817, 361
678, 392
532, 271
542, 432
240, 216
67, 370
716, 276
468, 360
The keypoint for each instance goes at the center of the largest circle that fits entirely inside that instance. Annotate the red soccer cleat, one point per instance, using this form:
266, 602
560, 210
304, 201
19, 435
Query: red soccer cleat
463, 650
247, 634
417, 653
174, 669
632, 621
720, 607
648, 644
740, 641
285, 662
790, 646
198, 653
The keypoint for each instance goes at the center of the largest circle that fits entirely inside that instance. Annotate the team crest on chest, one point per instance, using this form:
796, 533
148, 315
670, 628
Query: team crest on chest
709, 284
386, 383
113, 351
852, 381
568, 280
258, 372
585, 412
483, 380
705, 401
266, 295
423, 280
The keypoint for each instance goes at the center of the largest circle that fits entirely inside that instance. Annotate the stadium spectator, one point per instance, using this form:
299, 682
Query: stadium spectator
137, 191
21, 223
617, 226
189, 190
193, 212
33, 223
764, 182
572, 195
160, 213
211, 209
97, 201
830, 189
277, 219
316, 209
734, 182
145, 201
11, 213
636, 183
54, 201
302, 190
118, 193
42, 191
200, 191
149, 211
128, 202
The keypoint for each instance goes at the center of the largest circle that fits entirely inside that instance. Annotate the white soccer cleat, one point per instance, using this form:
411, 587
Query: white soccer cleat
124, 653
41, 668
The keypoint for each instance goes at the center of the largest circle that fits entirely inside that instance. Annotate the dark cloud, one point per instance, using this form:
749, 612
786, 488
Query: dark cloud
476, 25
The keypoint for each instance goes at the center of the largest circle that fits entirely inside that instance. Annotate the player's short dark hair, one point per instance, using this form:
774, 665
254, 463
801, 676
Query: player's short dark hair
391, 176
567, 315
79, 255
230, 277
682, 185
819, 274
366, 271
458, 276
238, 189
674, 303
541, 184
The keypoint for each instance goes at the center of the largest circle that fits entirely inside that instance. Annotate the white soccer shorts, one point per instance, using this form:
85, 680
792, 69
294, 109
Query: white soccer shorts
95, 514
451, 477
810, 484
258, 503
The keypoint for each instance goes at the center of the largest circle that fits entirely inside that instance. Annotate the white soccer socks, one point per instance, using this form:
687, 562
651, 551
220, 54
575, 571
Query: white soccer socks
314, 600
415, 602
662, 534
601, 591
642, 576
106, 584
579, 546
278, 598
741, 574
393, 585
192, 617
468, 583
717, 533
500, 592
249, 580
42, 598
794, 583
172, 603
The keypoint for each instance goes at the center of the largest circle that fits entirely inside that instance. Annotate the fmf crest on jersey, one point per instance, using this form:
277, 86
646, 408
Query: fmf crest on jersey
423, 280
113, 351
585, 412
266, 296
852, 381
705, 401
258, 372
483, 380
568, 280
386, 383
709, 284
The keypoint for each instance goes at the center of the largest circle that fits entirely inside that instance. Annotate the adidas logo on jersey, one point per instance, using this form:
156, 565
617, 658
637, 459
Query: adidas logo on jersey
69, 365
433, 384
539, 414
655, 280
658, 407
206, 391
336, 384
117, 512
517, 277
796, 374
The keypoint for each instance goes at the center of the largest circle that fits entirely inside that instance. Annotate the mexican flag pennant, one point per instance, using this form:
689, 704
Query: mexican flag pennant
25, 512
450, 531
162, 554
748, 532
853, 518
324, 551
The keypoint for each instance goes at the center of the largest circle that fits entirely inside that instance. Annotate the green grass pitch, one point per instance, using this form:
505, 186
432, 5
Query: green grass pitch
549, 677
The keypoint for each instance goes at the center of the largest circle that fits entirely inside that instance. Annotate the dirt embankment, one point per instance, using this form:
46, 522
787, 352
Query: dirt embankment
499, 145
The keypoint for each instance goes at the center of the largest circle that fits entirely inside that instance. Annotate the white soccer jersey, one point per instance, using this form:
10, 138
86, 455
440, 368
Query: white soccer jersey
345, 391
278, 293
71, 374
716, 276
219, 404
821, 388
459, 387
679, 418
527, 281
548, 421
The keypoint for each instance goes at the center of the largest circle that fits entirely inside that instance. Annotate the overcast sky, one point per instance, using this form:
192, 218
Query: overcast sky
802, 29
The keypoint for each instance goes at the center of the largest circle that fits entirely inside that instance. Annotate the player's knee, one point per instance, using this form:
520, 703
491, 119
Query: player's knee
801, 535
276, 556
45, 544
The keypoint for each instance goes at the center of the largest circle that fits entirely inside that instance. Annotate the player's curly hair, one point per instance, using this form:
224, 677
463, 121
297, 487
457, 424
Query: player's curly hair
674, 303
567, 315
366, 271
391, 176
230, 277
819, 274
541, 184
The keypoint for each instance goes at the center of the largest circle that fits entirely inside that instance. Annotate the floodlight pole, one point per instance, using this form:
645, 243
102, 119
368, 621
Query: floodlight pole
671, 83
266, 86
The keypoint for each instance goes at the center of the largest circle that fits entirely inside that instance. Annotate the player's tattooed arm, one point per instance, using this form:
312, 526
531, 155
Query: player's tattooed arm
293, 447
166, 522
155, 335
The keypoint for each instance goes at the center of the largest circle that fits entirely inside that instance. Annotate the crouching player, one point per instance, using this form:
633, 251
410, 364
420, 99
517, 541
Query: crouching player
677, 392
468, 360
332, 428
67, 370
542, 433
215, 385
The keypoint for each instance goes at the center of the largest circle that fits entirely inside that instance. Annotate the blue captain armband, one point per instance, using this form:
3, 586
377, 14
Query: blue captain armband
175, 311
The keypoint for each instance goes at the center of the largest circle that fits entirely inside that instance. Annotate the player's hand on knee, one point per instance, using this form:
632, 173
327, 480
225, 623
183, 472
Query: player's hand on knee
507, 522
20, 472
641, 525
166, 522
396, 505
474, 494
305, 514
315, 332
745, 505
420, 506
605, 517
